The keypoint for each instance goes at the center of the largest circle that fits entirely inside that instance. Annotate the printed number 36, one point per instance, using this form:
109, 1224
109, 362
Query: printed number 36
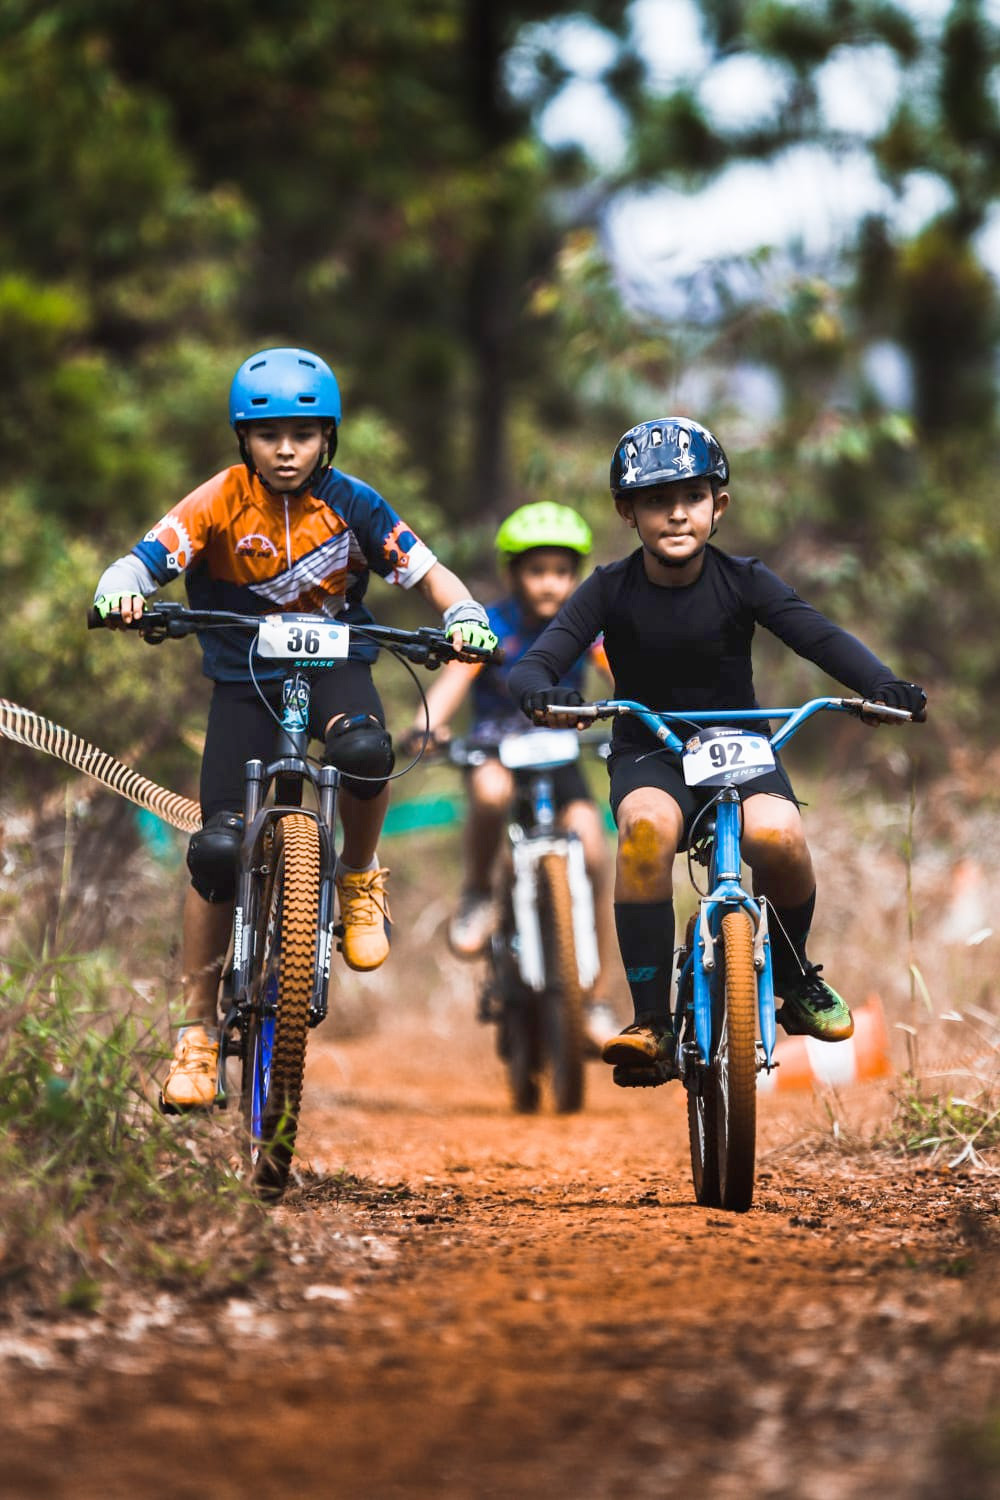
307, 641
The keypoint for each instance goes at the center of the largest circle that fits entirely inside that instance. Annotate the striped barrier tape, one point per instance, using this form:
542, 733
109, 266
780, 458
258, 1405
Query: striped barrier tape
25, 727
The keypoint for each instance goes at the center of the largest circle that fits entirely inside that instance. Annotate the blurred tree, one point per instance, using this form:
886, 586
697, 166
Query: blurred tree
184, 182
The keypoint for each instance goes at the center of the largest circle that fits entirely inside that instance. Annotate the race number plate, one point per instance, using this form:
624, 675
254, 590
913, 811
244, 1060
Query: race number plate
302, 638
727, 756
542, 747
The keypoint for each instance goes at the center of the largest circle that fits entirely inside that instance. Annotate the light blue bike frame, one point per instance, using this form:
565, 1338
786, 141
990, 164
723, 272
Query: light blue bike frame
724, 874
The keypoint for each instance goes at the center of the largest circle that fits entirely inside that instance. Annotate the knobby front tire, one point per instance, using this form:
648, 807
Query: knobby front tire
735, 1066
563, 998
518, 1034
275, 1047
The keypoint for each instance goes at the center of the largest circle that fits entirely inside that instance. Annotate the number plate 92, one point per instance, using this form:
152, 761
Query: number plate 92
720, 757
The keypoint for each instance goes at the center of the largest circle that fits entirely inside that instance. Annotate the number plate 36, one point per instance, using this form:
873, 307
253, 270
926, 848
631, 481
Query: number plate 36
719, 757
302, 638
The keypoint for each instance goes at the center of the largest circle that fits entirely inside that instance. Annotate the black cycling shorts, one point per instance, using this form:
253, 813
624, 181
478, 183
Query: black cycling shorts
631, 769
240, 727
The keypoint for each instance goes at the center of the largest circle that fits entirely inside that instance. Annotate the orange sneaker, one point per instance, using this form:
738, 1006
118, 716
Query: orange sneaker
364, 913
193, 1079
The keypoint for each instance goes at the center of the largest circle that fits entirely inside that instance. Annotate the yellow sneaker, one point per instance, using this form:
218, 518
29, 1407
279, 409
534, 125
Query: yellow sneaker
645, 1043
193, 1079
364, 913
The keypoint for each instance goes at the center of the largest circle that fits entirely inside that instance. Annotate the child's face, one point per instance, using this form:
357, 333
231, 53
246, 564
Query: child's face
543, 580
674, 521
287, 450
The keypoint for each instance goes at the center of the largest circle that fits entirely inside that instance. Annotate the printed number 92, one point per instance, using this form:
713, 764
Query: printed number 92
305, 641
722, 755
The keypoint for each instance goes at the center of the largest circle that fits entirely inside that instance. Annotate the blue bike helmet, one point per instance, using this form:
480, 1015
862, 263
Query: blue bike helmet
284, 383
664, 450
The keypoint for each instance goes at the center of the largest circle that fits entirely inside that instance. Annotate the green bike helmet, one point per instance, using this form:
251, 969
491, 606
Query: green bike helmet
543, 524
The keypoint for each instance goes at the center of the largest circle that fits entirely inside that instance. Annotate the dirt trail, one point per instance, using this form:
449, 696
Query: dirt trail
506, 1307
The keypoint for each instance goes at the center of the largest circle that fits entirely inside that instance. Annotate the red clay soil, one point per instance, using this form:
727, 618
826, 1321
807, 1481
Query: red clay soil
506, 1307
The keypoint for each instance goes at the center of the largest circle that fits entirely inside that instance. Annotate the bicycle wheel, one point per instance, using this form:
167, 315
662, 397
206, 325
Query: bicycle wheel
735, 1066
702, 1100
562, 1001
275, 1045
517, 1039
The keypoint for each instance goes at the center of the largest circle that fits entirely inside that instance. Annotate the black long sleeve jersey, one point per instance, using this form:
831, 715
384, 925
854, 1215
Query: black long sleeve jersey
689, 647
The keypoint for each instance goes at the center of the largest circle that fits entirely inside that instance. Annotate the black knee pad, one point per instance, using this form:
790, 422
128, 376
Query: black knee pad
213, 855
359, 746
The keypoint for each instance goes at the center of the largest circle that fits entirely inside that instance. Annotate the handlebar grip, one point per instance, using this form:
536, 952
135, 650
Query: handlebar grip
572, 710
887, 714
96, 621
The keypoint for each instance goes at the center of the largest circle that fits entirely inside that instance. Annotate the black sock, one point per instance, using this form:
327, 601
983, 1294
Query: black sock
788, 947
646, 940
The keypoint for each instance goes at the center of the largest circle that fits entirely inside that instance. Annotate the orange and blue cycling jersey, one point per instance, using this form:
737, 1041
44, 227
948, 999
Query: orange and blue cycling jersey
241, 548
494, 711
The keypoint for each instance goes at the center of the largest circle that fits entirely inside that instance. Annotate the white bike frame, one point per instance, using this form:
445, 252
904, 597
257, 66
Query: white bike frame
524, 897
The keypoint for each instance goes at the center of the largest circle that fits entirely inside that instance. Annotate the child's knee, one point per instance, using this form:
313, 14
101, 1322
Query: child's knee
776, 846
584, 819
491, 787
646, 848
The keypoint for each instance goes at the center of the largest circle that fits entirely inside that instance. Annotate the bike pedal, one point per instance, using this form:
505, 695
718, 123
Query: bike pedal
221, 1101
643, 1078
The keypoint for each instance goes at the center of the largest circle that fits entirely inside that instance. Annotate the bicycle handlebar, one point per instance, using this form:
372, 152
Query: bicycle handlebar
466, 750
167, 619
659, 722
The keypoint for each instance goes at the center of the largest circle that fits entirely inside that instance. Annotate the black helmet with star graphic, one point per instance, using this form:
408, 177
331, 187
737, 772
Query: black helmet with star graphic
663, 451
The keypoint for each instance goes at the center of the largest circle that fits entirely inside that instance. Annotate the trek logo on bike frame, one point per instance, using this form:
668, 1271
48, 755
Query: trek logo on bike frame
722, 757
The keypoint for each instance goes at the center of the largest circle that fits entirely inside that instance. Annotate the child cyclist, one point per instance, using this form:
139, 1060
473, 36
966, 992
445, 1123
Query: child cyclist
540, 548
678, 617
282, 530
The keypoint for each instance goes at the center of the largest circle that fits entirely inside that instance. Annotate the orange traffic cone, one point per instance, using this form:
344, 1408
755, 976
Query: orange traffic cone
806, 1063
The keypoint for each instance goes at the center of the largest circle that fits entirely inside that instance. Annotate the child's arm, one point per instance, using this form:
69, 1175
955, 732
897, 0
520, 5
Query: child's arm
446, 592
122, 589
810, 634
561, 644
166, 550
445, 696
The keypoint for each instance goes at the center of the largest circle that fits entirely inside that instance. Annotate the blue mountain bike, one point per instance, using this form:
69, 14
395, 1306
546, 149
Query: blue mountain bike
724, 1016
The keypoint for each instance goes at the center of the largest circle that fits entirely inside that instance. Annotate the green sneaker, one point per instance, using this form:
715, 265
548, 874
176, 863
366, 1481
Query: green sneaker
813, 1008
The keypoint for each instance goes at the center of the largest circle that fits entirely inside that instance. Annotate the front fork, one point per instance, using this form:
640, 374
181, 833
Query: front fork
704, 967
729, 895
526, 854
238, 987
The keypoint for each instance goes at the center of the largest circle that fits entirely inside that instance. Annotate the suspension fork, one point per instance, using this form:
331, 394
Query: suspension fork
728, 894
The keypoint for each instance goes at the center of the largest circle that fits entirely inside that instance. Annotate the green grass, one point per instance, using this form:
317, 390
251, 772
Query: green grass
966, 1129
96, 1187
